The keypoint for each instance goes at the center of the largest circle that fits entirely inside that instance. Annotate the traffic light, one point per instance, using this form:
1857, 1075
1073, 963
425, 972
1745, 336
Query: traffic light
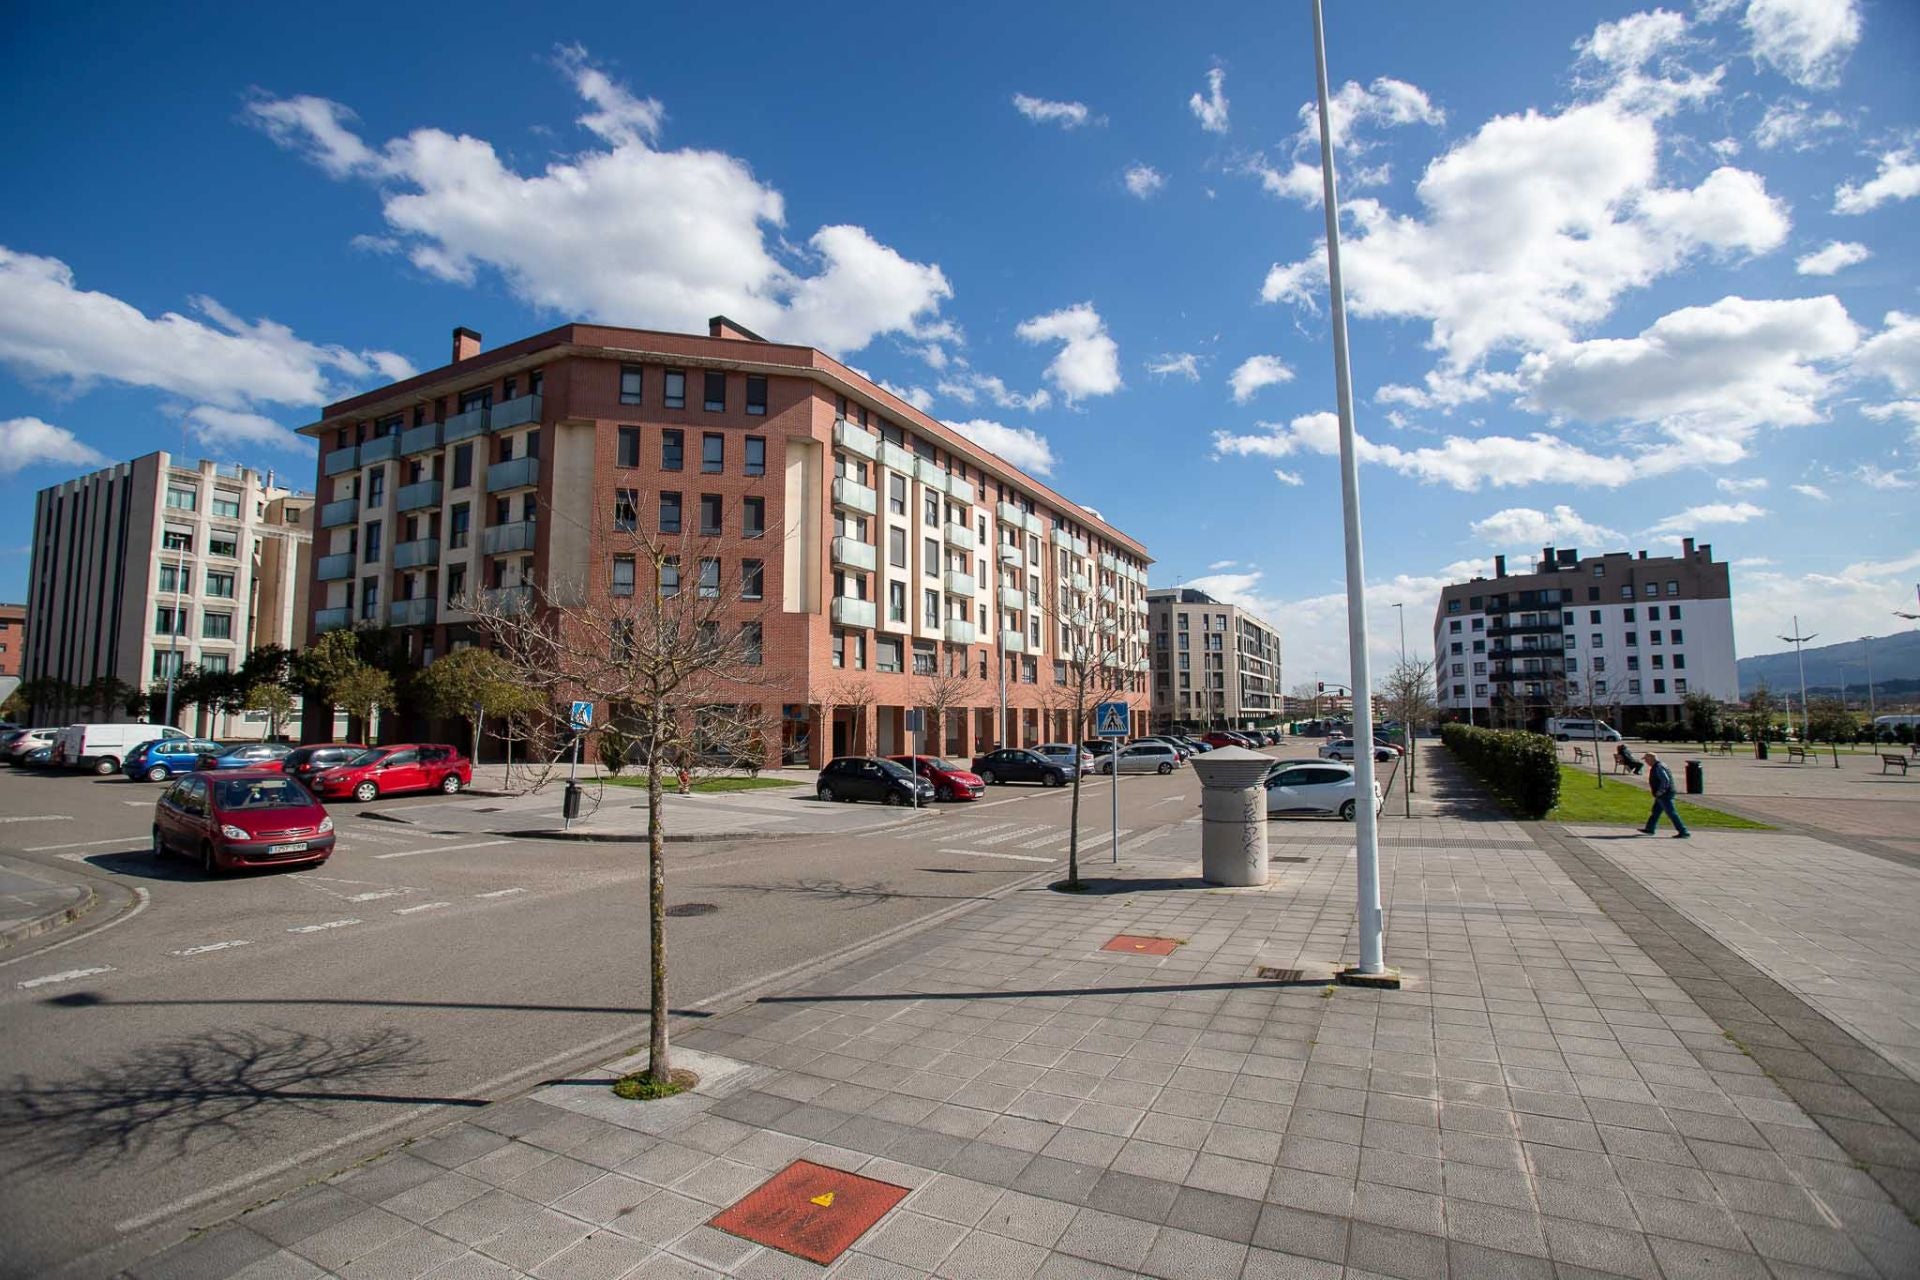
1323, 686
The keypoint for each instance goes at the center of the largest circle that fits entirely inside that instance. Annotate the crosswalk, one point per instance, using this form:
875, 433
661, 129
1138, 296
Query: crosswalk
1035, 841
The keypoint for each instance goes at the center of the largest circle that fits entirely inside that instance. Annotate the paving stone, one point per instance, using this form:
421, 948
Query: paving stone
984, 1256
1496, 1227
602, 1254
1033, 1219
913, 1239
216, 1253
337, 1245
1389, 1251
1598, 1248
1297, 1231
1109, 1238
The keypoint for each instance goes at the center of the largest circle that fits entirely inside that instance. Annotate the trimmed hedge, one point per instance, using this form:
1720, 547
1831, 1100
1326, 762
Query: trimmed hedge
1522, 768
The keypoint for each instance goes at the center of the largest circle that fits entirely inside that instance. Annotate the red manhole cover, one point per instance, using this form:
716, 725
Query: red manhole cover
1141, 946
810, 1211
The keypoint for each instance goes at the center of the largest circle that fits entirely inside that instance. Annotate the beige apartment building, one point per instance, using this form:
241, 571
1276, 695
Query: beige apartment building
1215, 665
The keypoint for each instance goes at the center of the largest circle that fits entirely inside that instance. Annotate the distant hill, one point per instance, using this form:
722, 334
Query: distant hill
1896, 667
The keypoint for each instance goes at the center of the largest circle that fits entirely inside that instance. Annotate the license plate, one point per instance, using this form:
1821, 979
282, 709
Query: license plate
300, 847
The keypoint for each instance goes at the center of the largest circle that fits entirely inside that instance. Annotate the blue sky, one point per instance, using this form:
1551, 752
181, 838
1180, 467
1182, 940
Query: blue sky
1617, 274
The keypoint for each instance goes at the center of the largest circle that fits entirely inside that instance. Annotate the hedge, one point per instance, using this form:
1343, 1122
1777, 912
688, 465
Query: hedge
1522, 768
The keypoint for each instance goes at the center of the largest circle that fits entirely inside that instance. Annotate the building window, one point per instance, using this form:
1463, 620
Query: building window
1599, 664
623, 575
888, 654
930, 510
709, 578
669, 513
216, 626
456, 583
756, 455
1598, 640
930, 558
626, 510
753, 579
1673, 587
1453, 627
750, 643
711, 515
628, 454
670, 576
675, 393
369, 598
1653, 613
370, 543
176, 579
1680, 687
170, 622
219, 585
1633, 686
931, 616
1659, 661
226, 505
632, 379
462, 465
182, 499
1633, 662
1459, 668
1679, 662
376, 488
924, 662
673, 450
897, 601
1628, 613
1653, 637
713, 453
167, 663
1675, 636
756, 395
716, 394
754, 517
459, 523
1453, 606
897, 495
897, 548
175, 540
1633, 639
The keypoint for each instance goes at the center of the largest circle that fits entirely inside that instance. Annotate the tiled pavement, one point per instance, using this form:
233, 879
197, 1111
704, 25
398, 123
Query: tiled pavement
1543, 1099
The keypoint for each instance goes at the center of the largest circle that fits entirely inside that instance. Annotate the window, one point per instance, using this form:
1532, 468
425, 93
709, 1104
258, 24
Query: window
632, 379
1629, 614
456, 583
1673, 615
1479, 646
1626, 591
1680, 687
924, 663
750, 643
675, 392
753, 520
931, 614
459, 525
1633, 639
1573, 665
370, 543
716, 395
1453, 606
1659, 661
1653, 613
713, 453
756, 395
1479, 668
503, 449
669, 513
1673, 587
628, 454
1459, 668
170, 622
897, 601
888, 653
930, 510
1593, 616
1675, 636
1653, 637
1679, 662
369, 598
1456, 647
1453, 628
859, 651
1651, 589
623, 575
462, 465
756, 455
1633, 662
226, 505
897, 495
673, 450
220, 585
897, 548
175, 540
1600, 687
753, 578
167, 663
182, 499
670, 576
1598, 640
1599, 664
930, 558
216, 626
1633, 686
376, 488
711, 515
709, 578
177, 579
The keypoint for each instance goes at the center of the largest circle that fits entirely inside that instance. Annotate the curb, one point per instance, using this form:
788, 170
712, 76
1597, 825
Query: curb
696, 837
51, 921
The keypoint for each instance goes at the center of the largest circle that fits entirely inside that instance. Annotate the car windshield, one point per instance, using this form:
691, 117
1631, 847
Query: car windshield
937, 764
261, 793
897, 770
367, 757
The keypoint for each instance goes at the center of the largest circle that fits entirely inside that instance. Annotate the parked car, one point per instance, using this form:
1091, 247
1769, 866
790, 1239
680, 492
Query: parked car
159, 760
1067, 755
241, 819
21, 741
871, 778
101, 747
385, 771
1564, 730
1314, 786
38, 758
950, 781
1166, 739
1221, 738
1012, 764
246, 755
304, 762
1342, 749
1098, 746
1198, 746
1142, 757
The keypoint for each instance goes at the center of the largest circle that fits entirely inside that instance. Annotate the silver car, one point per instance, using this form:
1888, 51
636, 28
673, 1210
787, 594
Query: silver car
1066, 755
1141, 757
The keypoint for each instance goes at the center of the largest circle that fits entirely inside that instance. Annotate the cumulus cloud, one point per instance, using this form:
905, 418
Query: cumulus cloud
1528, 527
1711, 513
969, 386
919, 397
1638, 63
30, 442
1144, 180
1796, 125
1256, 372
1813, 491
1088, 363
1068, 115
1185, 364
234, 429
1893, 353
1898, 179
1022, 446
1835, 256
1851, 602
1876, 477
1750, 484
1807, 41
1353, 114
1211, 110
622, 231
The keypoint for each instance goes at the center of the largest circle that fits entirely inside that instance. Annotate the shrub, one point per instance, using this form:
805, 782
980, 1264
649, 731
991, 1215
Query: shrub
614, 747
1521, 768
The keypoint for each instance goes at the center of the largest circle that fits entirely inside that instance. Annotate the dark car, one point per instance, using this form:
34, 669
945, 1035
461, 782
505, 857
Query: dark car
381, 771
232, 819
1098, 746
950, 781
304, 762
869, 778
245, 755
161, 759
1010, 764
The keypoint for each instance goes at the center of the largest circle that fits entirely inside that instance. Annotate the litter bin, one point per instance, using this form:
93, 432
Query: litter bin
1696, 778
570, 806
1760, 749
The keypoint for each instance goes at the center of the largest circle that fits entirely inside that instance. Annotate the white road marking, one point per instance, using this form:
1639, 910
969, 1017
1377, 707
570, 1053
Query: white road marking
1015, 834
316, 928
994, 853
443, 848
499, 893
425, 906
369, 897
68, 976
77, 844
211, 946
41, 817
1169, 800
143, 898
138, 804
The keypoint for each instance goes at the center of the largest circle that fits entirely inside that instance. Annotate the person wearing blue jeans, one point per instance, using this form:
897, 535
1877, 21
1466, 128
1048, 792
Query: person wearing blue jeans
1660, 782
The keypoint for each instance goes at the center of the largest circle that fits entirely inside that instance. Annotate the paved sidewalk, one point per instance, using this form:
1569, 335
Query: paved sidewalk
33, 902
1542, 1099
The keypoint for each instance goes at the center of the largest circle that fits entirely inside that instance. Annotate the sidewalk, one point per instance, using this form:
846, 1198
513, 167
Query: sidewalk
1557, 1091
32, 902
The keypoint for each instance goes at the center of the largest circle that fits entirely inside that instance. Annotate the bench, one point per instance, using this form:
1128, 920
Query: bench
1579, 754
1797, 754
1887, 759
1720, 748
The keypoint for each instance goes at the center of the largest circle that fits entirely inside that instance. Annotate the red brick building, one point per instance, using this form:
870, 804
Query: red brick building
13, 638
885, 545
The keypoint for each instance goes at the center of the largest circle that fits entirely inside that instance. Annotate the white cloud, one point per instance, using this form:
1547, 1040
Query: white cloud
1068, 115
1813, 491
919, 397
1752, 484
1292, 479
968, 386
1218, 565
1875, 477
236, 429
1893, 353
1856, 601
1089, 362
1711, 513
1837, 255
1638, 64
1298, 181
1211, 110
1528, 527
1806, 41
1898, 179
1184, 363
1022, 446
51, 329
1256, 372
30, 442
1144, 180
1726, 148
1796, 125
1751, 562
621, 231
1352, 114
1907, 411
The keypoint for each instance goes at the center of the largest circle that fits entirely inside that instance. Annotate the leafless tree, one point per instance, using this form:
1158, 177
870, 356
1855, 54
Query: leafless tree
848, 689
942, 692
1102, 661
1409, 693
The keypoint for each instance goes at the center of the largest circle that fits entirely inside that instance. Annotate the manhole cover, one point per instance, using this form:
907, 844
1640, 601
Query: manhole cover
810, 1211
1277, 975
1137, 945
692, 909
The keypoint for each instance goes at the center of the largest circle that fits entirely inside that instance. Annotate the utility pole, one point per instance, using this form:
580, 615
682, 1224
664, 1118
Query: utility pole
1866, 643
1796, 639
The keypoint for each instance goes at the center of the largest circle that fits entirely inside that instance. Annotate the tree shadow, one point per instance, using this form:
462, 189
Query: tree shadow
1099, 886
873, 893
209, 1088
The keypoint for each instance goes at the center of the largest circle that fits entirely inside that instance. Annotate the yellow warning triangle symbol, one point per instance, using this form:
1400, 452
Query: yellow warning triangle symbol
824, 1200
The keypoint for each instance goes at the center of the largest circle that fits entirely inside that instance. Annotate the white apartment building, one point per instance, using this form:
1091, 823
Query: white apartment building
1215, 665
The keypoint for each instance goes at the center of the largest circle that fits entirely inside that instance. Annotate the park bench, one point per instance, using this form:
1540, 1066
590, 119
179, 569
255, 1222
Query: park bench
1797, 754
1720, 748
1888, 759
1579, 754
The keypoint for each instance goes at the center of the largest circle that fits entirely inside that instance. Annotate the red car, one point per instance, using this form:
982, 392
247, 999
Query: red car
385, 771
231, 819
950, 781
318, 757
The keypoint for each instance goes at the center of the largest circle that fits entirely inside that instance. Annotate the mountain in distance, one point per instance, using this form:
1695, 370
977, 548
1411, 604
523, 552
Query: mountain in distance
1896, 668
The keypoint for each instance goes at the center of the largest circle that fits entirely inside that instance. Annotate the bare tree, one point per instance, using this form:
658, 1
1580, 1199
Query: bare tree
672, 653
1102, 661
1409, 693
942, 692
848, 689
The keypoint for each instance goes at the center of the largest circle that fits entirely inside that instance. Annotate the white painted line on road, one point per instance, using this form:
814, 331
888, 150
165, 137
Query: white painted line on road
211, 946
425, 906
41, 817
142, 899
1015, 834
68, 976
992, 853
316, 928
1169, 800
138, 804
369, 897
443, 848
77, 844
499, 893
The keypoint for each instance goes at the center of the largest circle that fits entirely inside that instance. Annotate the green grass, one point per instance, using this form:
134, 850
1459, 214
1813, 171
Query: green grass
638, 1087
705, 786
1619, 803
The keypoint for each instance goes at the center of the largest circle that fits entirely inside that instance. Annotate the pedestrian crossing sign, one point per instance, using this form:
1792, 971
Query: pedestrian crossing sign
581, 716
1110, 719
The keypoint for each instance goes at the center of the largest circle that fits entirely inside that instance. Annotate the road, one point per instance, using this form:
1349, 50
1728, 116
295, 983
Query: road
193, 1045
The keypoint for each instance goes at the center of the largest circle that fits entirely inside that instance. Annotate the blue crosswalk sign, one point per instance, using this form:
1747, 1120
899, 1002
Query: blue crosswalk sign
582, 716
1110, 719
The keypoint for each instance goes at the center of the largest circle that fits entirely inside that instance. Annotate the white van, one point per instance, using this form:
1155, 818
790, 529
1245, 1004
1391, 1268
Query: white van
1582, 731
101, 747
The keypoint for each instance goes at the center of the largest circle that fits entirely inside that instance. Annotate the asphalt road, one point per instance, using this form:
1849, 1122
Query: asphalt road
193, 1044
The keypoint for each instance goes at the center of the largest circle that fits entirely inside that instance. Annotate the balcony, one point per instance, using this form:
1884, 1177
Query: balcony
1010, 514
417, 612
960, 631
341, 461
507, 602
1108, 594
418, 554
854, 496
958, 486
335, 514
848, 612
336, 568
517, 474
1012, 598
464, 426
1107, 561
930, 474
1080, 582
854, 554
896, 457
1062, 539
503, 538
854, 439
332, 619
514, 413
958, 535
1013, 642
960, 584
1010, 554
380, 449
421, 439
414, 497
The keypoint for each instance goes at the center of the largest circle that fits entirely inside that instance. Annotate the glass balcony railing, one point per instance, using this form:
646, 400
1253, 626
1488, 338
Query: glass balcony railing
332, 619
959, 632
340, 461
517, 474
415, 497
854, 496
421, 439
855, 439
336, 568
1013, 642
848, 612
464, 426
380, 449
335, 514
417, 612
960, 584
514, 413
1012, 598
507, 601
854, 554
503, 538
958, 535
418, 554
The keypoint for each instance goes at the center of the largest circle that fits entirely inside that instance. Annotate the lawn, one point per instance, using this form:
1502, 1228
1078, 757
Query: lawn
705, 786
1620, 803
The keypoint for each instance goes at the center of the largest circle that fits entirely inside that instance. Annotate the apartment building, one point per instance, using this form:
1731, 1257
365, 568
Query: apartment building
145, 567
877, 550
13, 645
1627, 635
1215, 665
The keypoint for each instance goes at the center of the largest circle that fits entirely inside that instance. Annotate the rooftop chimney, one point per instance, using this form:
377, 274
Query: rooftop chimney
466, 344
1706, 551
1499, 566
1643, 554
722, 327
1686, 547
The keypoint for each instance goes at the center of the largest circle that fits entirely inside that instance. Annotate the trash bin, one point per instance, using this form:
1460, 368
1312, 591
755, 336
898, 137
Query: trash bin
1696, 778
570, 806
1760, 749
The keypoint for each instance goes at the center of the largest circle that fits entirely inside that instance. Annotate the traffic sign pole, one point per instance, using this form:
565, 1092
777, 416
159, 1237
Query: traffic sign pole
1110, 720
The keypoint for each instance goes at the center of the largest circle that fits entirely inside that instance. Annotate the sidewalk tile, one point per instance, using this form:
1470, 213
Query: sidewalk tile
451, 1148
1109, 1238
1389, 1251
1689, 1260
409, 1255
913, 1239
1030, 1218
341, 1243
307, 1211
531, 1244
953, 1199
1215, 1214
503, 1164
1298, 1231
472, 1266
598, 1256
1472, 1260
558, 1177
605, 1198
1598, 1248
1180, 1255
661, 1218
713, 1248
485, 1217
217, 1253
1496, 1227
434, 1197
1265, 1264
982, 1256
1058, 1179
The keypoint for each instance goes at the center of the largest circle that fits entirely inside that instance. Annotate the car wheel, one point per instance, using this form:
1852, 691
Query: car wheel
825, 792
208, 866
943, 793
159, 849
1347, 811
157, 773
366, 792
106, 765
986, 776
1165, 767
450, 784
1054, 780
1561, 737
893, 799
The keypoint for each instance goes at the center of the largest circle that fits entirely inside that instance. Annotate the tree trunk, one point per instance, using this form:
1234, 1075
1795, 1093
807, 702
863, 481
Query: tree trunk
1073, 822
659, 1065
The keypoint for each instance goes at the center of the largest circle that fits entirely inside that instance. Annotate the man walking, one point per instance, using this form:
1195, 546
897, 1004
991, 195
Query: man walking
1660, 782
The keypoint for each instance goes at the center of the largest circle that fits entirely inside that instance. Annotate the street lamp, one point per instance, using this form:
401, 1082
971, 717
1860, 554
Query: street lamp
1796, 639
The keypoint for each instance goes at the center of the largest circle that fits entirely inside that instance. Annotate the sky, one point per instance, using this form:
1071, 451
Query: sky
1616, 275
